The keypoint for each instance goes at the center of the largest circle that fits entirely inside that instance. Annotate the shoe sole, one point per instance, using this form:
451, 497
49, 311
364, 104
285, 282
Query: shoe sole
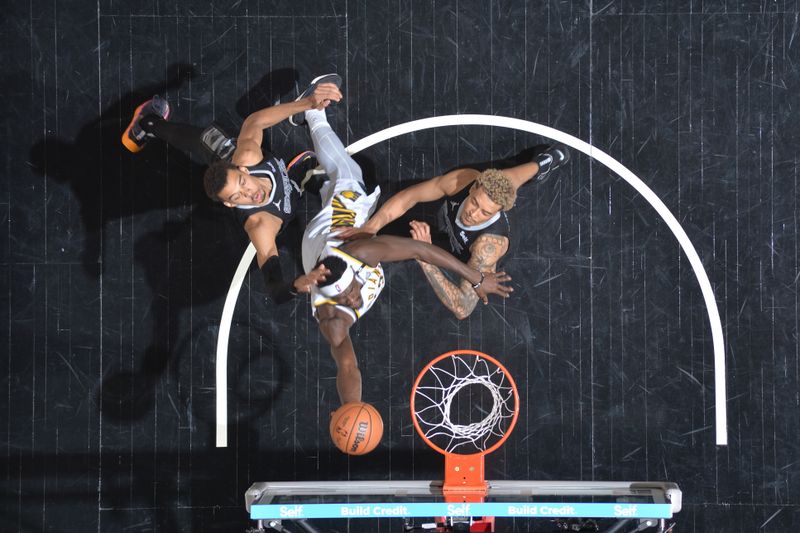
129, 143
564, 151
318, 80
309, 90
543, 177
562, 162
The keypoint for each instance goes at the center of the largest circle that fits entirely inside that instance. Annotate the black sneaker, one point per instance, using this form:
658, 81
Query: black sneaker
313, 180
299, 119
549, 160
220, 144
134, 137
305, 171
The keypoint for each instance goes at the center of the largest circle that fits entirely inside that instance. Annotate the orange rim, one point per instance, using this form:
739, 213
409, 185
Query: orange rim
482, 355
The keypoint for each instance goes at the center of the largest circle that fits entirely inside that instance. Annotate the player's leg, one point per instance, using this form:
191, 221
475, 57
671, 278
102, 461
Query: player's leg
150, 120
330, 151
540, 167
549, 161
134, 137
331, 154
344, 175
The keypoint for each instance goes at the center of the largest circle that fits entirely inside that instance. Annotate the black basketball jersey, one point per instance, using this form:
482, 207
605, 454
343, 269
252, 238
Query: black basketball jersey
285, 194
461, 237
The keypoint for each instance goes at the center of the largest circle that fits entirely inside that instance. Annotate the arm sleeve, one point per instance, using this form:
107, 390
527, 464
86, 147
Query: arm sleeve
279, 290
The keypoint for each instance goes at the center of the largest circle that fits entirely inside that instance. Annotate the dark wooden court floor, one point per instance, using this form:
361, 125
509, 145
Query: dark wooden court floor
116, 266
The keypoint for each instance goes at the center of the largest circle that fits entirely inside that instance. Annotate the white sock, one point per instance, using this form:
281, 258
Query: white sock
315, 118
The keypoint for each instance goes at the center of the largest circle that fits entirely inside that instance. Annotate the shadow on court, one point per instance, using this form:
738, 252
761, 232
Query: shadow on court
178, 232
193, 487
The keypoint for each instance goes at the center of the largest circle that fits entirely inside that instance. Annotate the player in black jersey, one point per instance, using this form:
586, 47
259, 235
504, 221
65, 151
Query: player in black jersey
241, 175
471, 218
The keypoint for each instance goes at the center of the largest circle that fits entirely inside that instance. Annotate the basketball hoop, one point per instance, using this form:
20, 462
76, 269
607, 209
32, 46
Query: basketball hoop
464, 405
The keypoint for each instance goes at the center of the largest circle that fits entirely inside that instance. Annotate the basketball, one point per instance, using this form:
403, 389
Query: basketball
356, 428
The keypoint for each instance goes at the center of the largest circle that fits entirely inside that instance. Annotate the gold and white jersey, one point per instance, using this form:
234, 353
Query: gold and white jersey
344, 204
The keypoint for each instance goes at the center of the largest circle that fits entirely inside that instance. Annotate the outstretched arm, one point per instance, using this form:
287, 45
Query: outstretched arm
248, 145
427, 191
262, 228
388, 248
461, 299
335, 327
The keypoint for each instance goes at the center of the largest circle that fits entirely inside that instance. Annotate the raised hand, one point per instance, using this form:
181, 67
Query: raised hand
420, 231
353, 234
306, 281
493, 283
324, 94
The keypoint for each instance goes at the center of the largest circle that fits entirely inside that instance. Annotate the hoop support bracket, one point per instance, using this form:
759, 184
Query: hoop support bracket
463, 479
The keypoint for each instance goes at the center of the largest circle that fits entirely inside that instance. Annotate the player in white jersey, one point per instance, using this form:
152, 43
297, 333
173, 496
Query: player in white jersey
353, 273
370, 282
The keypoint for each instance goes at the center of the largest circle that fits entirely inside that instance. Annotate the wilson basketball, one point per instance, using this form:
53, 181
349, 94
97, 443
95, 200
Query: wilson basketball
356, 428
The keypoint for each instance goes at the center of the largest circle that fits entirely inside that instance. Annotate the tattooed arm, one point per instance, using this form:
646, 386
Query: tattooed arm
461, 299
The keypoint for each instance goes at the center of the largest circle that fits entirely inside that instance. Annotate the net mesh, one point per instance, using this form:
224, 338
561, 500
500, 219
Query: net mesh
464, 403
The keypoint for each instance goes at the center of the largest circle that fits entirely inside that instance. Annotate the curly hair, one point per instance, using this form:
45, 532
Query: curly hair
498, 188
216, 177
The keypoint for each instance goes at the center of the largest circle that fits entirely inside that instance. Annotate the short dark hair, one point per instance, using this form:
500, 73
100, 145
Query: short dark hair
216, 177
336, 265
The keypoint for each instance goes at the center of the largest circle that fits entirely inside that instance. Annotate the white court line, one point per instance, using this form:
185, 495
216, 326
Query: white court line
538, 129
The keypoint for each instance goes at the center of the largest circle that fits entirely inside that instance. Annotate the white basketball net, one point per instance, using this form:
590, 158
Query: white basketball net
435, 398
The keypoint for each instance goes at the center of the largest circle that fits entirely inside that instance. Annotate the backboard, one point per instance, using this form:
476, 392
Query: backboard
271, 503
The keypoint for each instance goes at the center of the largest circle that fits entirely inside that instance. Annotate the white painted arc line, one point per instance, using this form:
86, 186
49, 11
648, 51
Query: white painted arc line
565, 138
222, 344
616, 167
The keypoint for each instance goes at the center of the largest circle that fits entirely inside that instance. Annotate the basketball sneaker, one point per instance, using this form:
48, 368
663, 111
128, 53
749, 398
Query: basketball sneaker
552, 158
298, 119
134, 137
305, 171
219, 143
